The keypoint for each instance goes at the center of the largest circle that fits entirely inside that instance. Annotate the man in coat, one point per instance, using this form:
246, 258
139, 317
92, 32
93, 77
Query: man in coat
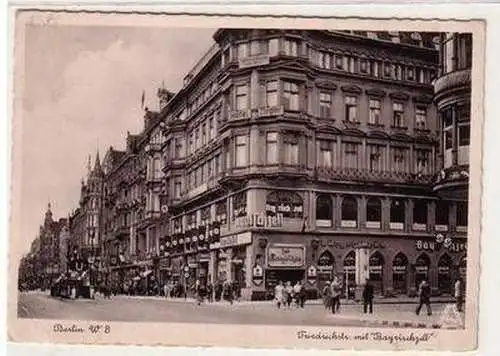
368, 297
424, 292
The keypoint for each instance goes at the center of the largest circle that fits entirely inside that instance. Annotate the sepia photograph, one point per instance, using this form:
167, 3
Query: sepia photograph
272, 174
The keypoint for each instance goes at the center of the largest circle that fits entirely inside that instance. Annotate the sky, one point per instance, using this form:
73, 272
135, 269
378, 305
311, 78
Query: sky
82, 93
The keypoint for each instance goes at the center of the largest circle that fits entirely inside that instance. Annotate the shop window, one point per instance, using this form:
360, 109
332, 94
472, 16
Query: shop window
349, 212
442, 215
420, 215
422, 264
350, 272
326, 265
239, 205
397, 220
324, 211
399, 273
462, 212
326, 260
445, 267
376, 272
373, 213
289, 204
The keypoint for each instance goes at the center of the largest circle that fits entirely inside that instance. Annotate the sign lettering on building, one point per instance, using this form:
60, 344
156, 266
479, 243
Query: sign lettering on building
433, 246
254, 61
286, 256
235, 240
344, 245
259, 220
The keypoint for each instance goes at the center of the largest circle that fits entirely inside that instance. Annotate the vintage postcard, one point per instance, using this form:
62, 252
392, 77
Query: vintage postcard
246, 181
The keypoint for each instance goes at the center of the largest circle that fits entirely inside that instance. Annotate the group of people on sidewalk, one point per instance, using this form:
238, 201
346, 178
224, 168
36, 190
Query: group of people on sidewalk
285, 294
221, 290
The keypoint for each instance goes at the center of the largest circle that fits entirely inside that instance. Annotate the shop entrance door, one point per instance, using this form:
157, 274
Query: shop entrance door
273, 276
422, 269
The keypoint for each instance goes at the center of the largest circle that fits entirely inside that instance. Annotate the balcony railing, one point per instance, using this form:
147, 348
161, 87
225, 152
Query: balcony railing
329, 174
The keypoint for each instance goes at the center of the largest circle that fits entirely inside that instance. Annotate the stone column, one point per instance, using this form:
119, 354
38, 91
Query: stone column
362, 269
386, 213
254, 89
246, 292
362, 212
431, 215
409, 215
255, 147
252, 200
312, 209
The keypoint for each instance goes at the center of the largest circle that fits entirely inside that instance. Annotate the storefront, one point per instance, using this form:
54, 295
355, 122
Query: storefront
285, 263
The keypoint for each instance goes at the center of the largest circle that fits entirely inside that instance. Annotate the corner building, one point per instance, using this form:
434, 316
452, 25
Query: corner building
286, 150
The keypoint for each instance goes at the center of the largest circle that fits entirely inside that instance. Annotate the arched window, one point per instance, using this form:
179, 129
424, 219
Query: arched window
397, 214
422, 264
326, 259
349, 212
399, 273
289, 204
376, 270
373, 213
324, 211
420, 215
445, 265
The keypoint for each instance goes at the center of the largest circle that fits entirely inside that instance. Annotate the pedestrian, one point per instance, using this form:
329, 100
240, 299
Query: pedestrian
165, 290
336, 289
424, 292
288, 293
368, 297
302, 294
297, 288
210, 292
278, 294
327, 295
459, 297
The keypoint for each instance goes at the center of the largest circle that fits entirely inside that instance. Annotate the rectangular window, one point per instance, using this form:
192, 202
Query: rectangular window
375, 69
271, 98
420, 119
204, 134
363, 66
291, 48
375, 158
398, 115
325, 153
177, 189
273, 47
211, 128
351, 109
422, 161
349, 64
351, 155
291, 148
339, 61
410, 73
242, 50
374, 118
255, 48
325, 60
217, 163
464, 135
156, 168
272, 148
399, 72
242, 97
178, 148
291, 96
241, 154
399, 159
325, 105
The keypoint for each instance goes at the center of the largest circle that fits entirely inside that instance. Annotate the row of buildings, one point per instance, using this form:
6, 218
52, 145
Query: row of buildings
285, 150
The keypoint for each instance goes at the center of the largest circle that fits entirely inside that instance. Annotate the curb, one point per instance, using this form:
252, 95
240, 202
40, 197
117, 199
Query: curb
401, 323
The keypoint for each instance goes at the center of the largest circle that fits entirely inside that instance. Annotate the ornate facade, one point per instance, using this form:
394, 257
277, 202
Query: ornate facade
286, 149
